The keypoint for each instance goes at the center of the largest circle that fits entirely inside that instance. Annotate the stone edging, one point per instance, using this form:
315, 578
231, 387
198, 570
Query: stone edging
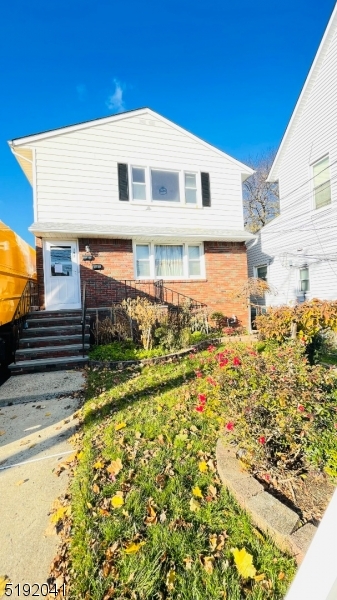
269, 514
122, 364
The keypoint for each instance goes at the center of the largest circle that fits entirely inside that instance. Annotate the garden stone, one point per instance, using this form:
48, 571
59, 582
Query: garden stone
272, 516
301, 539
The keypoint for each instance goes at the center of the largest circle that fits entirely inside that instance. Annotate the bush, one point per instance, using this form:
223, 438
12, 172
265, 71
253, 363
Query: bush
311, 322
279, 410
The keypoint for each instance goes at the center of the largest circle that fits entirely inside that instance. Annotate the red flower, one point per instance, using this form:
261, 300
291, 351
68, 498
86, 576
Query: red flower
200, 408
236, 361
266, 476
223, 362
300, 407
198, 373
202, 398
262, 440
211, 348
230, 426
211, 381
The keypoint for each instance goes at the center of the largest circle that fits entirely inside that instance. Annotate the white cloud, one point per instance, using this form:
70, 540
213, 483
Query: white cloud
115, 101
81, 91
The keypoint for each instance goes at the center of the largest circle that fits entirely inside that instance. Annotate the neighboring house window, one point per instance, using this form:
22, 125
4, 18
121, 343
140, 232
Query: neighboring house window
321, 179
165, 186
138, 183
261, 272
304, 279
168, 261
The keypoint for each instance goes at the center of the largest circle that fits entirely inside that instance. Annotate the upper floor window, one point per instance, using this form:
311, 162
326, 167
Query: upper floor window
149, 184
321, 180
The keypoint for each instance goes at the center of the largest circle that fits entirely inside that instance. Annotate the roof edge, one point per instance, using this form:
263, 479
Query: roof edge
24, 141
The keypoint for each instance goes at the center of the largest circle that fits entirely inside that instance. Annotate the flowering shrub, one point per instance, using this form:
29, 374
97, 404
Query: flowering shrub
278, 409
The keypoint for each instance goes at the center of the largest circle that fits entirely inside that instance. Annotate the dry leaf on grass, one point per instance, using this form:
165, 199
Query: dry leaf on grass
244, 563
197, 492
170, 579
119, 426
117, 501
194, 505
99, 465
133, 548
115, 467
202, 466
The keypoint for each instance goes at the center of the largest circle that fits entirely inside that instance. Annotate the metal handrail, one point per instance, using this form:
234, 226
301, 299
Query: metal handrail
28, 298
84, 314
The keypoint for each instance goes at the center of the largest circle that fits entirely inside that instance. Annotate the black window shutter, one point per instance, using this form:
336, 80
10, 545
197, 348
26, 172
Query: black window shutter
123, 181
205, 189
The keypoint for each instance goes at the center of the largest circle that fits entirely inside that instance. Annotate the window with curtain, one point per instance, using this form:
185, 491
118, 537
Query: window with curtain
322, 187
169, 261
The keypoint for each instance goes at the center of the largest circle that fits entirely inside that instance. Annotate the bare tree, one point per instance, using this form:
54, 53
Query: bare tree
260, 198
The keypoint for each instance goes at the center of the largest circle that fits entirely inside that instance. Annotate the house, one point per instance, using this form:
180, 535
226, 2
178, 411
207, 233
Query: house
131, 199
297, 251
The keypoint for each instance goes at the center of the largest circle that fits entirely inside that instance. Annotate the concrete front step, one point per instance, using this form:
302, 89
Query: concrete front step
47, 321
52, 340
49, 351
41, 314
48, 364
53, 330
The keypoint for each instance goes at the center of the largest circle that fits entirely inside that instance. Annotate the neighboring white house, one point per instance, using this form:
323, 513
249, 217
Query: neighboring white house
297, 251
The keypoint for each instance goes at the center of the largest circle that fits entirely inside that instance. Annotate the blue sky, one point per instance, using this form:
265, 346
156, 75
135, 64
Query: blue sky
230, 72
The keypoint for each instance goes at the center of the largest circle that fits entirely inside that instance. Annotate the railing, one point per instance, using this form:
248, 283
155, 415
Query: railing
29, 298
115, 291
84, 314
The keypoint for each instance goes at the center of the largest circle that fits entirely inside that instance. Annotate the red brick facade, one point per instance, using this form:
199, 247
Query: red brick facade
226, 272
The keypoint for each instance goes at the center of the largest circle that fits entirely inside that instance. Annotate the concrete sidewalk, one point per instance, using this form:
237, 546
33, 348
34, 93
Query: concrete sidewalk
36, 420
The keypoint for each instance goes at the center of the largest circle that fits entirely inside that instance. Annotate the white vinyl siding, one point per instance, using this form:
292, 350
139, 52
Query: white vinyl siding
77, 177
169, 261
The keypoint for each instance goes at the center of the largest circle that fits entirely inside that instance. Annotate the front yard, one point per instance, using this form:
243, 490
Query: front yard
150, 518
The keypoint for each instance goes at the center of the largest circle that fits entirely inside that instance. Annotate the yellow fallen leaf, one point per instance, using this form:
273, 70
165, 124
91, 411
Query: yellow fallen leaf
212, 490
194, 505
133, 548
63, 511
203, 466
21, 481
119, 426
3, 582
281, 576
197, 492
117, 501
170, 579
115, 467
208, 564
2, 432
98, 465
188, 563
95, 488
80, 455
244, 563
159, 408
260, 577
47, 414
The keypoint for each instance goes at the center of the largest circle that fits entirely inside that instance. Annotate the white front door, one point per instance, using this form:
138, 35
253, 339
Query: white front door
61, 275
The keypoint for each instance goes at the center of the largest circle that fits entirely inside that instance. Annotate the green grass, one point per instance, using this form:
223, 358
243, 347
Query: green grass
330, 359
161, 446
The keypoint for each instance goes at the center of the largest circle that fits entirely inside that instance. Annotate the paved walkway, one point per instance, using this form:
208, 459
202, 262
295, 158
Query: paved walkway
36, 420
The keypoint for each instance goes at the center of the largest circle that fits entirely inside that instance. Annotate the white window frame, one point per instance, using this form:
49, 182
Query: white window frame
148, 185
313, 202
300, 280
256, 275
185, 276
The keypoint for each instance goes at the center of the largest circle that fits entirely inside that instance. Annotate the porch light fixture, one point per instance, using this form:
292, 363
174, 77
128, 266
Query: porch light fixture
88, 255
